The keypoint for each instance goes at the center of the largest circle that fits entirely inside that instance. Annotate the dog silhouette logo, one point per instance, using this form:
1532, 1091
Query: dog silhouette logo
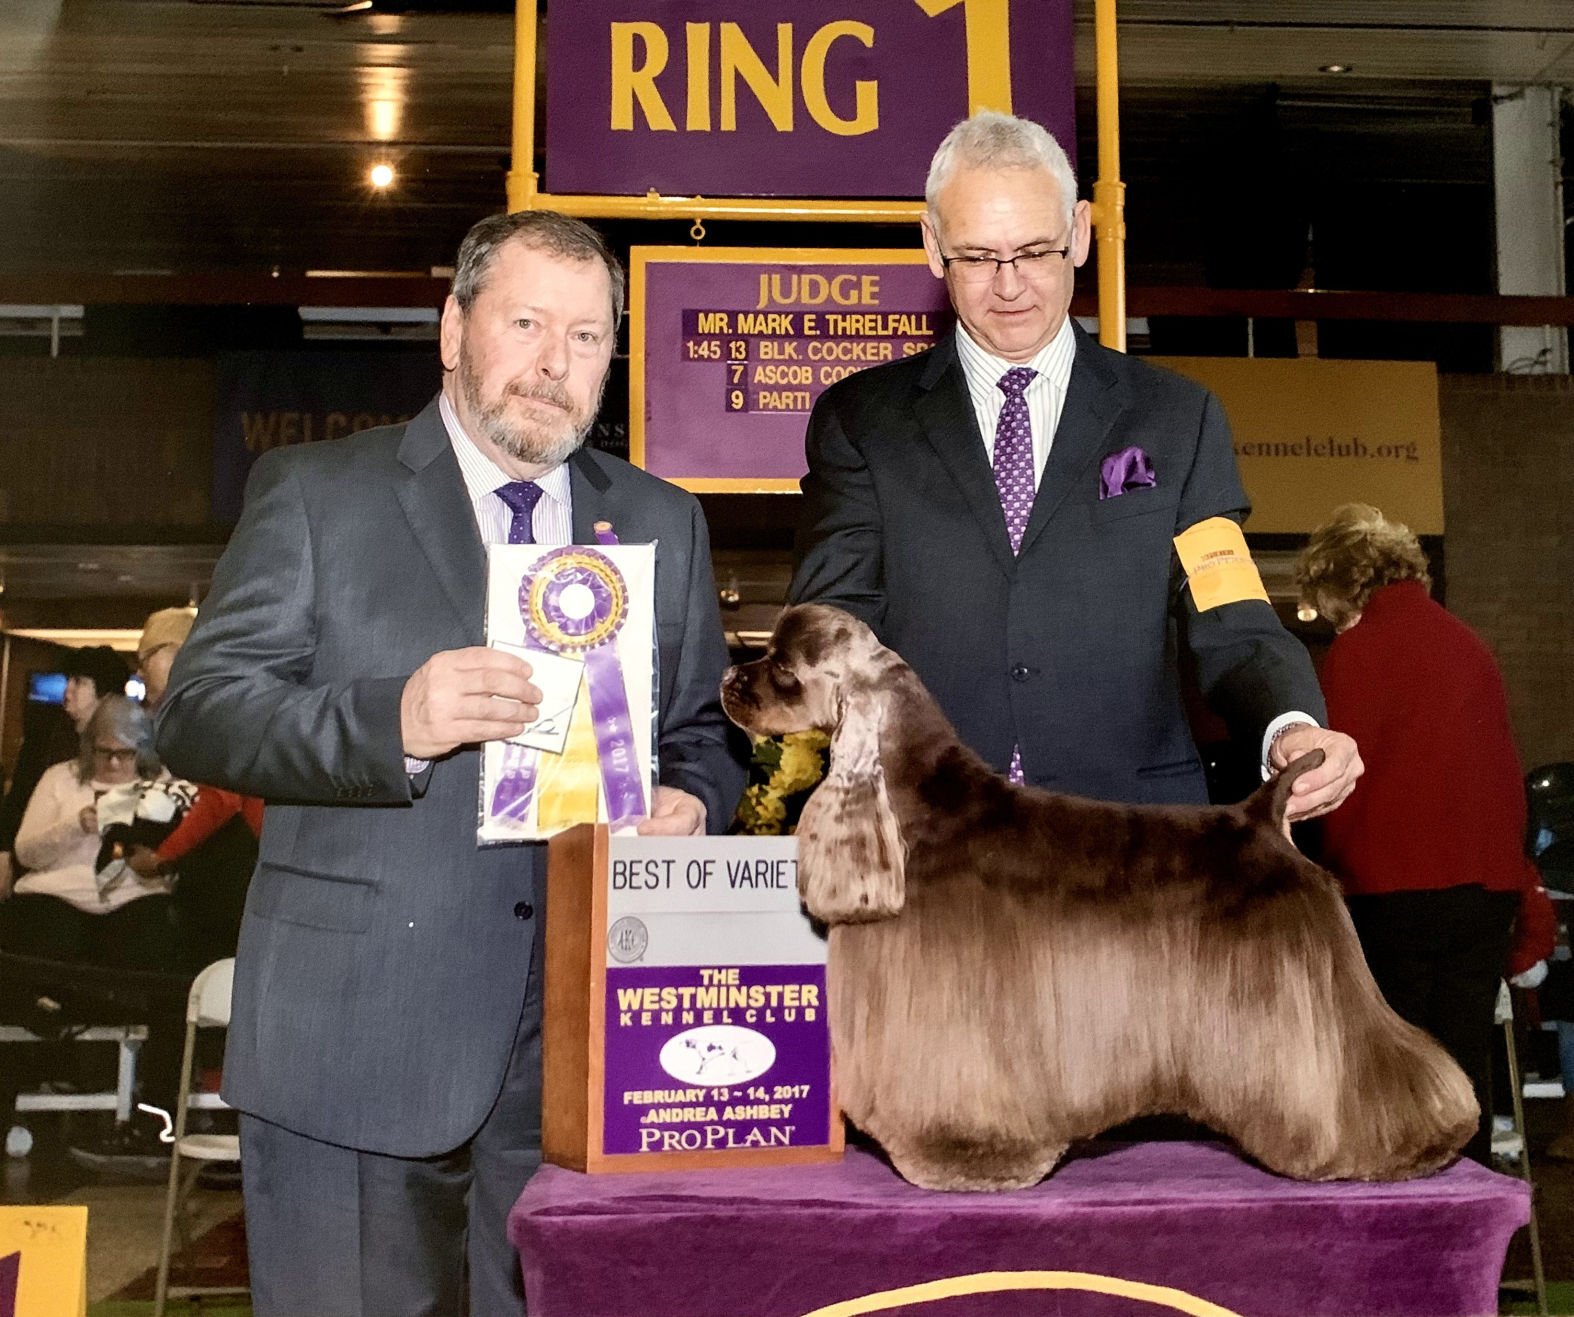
717, 1054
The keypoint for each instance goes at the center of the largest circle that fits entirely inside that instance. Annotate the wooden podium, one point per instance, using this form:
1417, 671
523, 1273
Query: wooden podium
685, 1022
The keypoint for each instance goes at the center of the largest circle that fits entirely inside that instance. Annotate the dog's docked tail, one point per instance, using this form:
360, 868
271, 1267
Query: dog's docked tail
1268, 803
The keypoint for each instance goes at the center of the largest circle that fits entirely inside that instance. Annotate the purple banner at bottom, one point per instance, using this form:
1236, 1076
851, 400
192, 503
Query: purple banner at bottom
700, 1059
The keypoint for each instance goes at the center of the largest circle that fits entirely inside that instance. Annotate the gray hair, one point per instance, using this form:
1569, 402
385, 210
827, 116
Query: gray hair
119, 718
991, 140
544, 230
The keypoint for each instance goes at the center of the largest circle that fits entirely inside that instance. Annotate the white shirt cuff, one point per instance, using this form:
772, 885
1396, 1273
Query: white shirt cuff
1275, 727
414, 766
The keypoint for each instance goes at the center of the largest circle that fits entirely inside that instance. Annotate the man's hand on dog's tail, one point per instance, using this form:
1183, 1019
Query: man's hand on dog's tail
1317, 786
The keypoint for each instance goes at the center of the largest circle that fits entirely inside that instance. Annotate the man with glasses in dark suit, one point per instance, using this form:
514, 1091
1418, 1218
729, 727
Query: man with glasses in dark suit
1038, 525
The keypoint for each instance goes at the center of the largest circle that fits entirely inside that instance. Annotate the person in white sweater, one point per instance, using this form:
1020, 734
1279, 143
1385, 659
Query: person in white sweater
61, 910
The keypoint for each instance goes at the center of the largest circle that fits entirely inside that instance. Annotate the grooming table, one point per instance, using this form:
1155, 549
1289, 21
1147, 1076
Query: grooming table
1191, 1217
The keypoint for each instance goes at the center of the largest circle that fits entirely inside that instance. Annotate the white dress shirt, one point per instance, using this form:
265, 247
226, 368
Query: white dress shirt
552, 521
1046, 395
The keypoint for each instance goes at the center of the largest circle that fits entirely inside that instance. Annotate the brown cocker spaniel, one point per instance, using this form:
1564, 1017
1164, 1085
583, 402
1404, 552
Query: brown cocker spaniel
1012, 969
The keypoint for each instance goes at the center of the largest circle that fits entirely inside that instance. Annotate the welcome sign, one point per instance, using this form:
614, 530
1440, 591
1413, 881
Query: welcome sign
795, 98
686, 1022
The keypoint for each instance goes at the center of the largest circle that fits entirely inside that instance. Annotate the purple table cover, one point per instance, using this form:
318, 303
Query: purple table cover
1192, 1216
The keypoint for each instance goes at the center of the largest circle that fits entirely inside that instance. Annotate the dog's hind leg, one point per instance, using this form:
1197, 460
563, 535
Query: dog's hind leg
1406, 1108
1332, 1084
954, 1160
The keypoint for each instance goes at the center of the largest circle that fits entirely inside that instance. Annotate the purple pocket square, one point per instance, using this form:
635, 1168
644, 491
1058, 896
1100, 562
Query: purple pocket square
1127, 469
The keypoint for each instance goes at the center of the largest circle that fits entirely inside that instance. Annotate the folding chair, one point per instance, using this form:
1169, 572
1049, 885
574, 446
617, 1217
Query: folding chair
1511, 1145
207, 1007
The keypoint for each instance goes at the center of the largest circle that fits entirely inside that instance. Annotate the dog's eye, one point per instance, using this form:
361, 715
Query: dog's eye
781, 678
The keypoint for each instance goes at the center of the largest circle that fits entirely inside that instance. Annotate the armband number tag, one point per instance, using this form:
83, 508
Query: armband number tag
1218, 564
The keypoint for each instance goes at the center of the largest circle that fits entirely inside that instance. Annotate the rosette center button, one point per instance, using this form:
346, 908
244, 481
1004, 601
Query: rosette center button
576, 602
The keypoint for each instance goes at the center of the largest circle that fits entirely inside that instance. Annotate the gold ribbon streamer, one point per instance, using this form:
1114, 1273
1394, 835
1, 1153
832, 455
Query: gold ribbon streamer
568, 784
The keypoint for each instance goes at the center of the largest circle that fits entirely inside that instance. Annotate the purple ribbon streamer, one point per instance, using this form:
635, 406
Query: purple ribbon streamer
1127, 469
614, 735
517, 785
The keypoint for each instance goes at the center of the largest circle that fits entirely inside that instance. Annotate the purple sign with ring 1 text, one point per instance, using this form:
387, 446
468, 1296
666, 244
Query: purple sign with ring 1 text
730, 348
789, 98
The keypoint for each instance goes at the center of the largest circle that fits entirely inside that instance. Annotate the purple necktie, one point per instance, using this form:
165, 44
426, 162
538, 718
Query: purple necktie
521, 497
1014, 453
1014, 476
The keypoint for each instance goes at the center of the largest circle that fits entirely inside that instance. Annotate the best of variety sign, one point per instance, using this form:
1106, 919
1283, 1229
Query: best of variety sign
729, 348
686, 1021
796, 98
716, 1031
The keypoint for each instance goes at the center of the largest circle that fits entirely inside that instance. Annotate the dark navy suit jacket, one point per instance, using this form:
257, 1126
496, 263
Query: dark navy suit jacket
1071, 649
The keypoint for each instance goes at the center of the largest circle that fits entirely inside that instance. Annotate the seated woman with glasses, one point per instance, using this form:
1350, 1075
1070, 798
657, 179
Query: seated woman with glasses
67, 910
60, 910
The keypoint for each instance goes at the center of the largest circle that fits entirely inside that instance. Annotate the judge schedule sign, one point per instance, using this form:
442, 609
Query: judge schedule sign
729, 348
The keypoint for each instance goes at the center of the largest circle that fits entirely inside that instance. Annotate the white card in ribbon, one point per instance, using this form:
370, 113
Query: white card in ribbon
558, 678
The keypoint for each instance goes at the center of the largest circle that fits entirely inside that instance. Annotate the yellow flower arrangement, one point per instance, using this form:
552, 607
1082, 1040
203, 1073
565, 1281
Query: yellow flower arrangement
784, 769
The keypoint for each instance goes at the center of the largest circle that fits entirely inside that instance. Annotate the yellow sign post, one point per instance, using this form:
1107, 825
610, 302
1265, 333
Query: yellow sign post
43, 1261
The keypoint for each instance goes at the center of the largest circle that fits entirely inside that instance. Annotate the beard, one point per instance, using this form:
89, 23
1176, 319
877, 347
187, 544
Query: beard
539, 442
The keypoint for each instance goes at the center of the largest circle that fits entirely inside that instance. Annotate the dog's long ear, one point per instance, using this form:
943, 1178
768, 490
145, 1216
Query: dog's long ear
850, 854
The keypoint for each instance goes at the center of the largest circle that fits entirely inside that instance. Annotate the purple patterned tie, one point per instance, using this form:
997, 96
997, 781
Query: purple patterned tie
1014, 453
521, 497
1014, 476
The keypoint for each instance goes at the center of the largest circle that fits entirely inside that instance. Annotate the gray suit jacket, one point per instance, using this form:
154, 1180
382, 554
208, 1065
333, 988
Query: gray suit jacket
383, 958
1071, 649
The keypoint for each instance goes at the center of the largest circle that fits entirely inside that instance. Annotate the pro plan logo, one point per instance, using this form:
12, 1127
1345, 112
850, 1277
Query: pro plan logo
627, 939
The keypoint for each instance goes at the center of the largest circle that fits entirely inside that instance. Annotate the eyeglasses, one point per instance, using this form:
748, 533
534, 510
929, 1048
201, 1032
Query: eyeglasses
114, 754
1033, 264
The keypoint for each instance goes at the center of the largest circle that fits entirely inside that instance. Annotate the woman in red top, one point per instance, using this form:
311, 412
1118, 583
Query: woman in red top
1429, 846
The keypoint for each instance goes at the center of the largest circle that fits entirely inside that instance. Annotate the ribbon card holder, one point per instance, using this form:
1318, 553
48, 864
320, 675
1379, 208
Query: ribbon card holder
583, 616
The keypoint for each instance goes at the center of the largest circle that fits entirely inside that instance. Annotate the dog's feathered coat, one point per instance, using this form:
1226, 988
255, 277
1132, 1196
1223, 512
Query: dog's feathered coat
1012, 969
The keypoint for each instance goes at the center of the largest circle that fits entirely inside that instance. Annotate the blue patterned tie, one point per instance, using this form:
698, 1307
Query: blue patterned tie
514, 787
1014, 476
521, 497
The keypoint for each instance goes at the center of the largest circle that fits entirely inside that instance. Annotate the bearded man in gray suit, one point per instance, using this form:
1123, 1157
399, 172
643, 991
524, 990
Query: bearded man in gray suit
385, 1041
1007, 509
